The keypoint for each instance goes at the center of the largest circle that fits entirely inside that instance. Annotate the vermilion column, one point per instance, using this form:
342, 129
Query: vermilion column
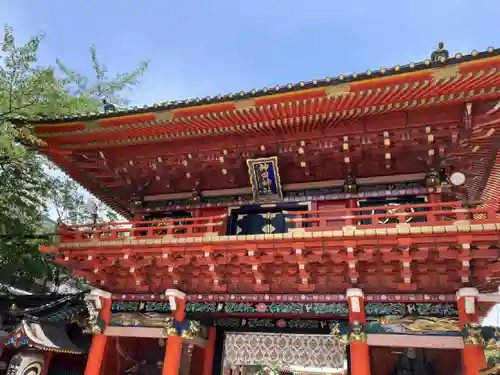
360, 353
173, 349
473, 354
96, 352
208, 360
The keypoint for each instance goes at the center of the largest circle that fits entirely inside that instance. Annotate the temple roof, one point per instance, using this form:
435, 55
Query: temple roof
379, 123
48, 308
41, 321
43, 336
370, 75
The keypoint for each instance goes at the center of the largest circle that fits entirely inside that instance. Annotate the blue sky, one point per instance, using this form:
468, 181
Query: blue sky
201, 47
207, 47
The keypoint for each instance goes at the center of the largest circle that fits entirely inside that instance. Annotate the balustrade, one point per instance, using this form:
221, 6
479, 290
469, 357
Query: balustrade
390, 215
319, 220
178, 227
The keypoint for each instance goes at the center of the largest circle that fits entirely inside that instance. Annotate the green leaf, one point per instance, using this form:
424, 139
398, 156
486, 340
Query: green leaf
30, 186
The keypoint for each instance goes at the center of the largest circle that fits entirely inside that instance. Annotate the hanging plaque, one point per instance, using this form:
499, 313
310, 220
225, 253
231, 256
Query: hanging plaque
265, 179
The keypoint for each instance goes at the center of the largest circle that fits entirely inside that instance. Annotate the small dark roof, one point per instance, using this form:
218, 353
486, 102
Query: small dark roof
58, 336
50, 308
44, 336
281, 89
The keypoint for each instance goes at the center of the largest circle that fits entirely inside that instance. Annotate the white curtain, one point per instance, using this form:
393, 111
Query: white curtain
282, 350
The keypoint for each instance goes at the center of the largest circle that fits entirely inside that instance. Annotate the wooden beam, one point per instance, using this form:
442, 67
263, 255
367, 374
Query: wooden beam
291, 187
416, 341
149, 332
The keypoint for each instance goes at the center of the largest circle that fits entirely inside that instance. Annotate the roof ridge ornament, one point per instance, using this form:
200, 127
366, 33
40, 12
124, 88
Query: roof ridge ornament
108, 107
440, 54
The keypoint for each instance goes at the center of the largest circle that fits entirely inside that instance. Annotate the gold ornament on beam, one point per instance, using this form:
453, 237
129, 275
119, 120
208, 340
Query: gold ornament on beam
335, 332
421, 324
193, 330
169, 328
472, 334
357, 334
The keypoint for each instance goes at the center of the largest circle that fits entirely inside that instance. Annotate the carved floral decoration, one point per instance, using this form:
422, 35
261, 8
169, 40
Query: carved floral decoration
415, 325
187, 329
93, 324
356, 333
475, 334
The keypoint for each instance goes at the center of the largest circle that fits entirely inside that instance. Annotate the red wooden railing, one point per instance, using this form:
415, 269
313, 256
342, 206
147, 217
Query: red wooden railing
387, 216
364, 217
178, 227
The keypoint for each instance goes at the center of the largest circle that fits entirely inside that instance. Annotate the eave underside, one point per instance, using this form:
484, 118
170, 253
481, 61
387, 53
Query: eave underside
474, 58
295, 264
92, 151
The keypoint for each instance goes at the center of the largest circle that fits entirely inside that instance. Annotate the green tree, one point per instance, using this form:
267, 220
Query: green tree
71, 205
29, 188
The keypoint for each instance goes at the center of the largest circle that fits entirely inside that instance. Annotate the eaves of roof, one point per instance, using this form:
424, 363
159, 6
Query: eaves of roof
370, 75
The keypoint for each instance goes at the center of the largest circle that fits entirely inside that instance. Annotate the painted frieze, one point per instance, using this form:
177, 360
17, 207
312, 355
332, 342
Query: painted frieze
376, 309
415, 325
141, 307
290, 297
340, 309
137, 319
157, 320
272, 308
288, 325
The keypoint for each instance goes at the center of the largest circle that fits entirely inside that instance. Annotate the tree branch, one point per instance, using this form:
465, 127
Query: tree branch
11, 110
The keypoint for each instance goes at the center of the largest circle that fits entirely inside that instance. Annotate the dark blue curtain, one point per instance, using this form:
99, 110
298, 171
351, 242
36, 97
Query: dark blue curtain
261, 223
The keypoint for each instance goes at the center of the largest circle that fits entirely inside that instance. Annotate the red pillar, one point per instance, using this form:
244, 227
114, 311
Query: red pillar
173, 349
473, 354
208, 360
360, 353
96, 352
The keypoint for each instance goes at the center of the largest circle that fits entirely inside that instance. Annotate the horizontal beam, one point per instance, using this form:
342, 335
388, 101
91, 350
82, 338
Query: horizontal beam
389, 340
416, 341
149, 332
291, 187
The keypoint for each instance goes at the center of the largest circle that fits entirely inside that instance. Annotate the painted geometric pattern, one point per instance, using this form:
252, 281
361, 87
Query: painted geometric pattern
264, 223
282, 350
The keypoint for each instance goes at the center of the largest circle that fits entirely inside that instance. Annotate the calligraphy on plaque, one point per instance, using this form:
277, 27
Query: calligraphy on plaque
265, 179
